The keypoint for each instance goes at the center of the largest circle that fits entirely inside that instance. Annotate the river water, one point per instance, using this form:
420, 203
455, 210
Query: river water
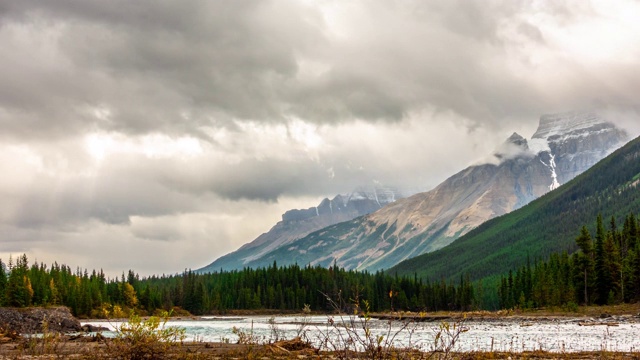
513, 335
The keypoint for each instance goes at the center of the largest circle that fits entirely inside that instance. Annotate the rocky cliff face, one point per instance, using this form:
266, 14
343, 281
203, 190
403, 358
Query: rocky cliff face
576, 141
298, 223
563, 146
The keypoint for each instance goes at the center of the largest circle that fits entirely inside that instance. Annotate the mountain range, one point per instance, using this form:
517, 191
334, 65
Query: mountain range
372, 234
547, 225
298, 223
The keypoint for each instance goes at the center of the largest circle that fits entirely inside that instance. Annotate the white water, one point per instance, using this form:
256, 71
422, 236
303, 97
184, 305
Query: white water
564, 335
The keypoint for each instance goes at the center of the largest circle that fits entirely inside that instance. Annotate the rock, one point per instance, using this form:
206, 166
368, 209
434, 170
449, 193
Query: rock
31, 320
93, 328
605, 316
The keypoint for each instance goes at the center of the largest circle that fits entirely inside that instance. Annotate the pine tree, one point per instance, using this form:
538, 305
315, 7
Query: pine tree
603, 278
613, 269
585, 260
3, 282
19, 292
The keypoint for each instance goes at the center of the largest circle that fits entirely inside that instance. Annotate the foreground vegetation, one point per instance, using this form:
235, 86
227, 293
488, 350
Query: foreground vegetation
346, 337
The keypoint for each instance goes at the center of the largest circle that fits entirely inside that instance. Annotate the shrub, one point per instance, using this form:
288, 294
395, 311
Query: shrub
144, 339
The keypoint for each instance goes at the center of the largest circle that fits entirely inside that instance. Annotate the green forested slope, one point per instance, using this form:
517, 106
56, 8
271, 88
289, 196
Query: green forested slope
547, 225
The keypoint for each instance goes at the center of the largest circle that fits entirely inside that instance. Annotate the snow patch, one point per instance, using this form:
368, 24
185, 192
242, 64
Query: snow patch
321, 243
558, 124
579, 134
554, 176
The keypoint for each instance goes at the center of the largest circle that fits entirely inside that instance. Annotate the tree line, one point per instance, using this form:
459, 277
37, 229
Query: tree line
605, 270
288, 288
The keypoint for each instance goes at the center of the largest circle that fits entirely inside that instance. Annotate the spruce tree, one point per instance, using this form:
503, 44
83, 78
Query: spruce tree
585, 261
603, 278
3, 282
19, 292
613, 269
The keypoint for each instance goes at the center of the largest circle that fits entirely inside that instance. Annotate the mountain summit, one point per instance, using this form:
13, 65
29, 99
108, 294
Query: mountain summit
521, 170
547, 225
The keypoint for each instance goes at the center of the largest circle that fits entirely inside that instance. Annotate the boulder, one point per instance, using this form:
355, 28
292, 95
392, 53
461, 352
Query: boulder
36, 320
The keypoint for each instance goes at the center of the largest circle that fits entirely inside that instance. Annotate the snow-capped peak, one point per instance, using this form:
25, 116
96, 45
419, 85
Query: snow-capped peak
560, 124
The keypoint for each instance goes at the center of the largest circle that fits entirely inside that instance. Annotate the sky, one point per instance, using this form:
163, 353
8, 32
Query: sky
158, 135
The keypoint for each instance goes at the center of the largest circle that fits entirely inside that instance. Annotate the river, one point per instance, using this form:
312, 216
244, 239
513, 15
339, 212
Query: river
508, 334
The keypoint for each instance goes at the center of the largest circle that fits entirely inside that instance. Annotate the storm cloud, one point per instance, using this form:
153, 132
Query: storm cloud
185, 128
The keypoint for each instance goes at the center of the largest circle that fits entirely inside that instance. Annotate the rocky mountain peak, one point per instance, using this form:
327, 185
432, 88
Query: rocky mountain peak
570, 143
297, 223
363, 200
563, 146
516, 139
569, 123
514, 146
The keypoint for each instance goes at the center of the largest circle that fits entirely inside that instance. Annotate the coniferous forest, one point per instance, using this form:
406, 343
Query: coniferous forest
605, 270
281, 288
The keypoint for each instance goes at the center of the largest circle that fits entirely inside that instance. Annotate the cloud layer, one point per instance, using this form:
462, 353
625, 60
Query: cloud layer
181, 130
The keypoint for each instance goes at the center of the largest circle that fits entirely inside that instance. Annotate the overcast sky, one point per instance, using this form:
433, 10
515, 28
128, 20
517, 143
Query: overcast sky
159, 135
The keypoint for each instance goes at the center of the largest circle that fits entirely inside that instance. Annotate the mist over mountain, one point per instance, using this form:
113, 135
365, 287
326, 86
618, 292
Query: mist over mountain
519, 171
547, 225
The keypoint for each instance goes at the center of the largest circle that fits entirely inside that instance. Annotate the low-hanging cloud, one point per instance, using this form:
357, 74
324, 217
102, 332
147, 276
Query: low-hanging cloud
150, 120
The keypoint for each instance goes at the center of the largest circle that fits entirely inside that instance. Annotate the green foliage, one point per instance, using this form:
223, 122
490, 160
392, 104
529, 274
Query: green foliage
19, 292
608, 274
283, 288
144, 339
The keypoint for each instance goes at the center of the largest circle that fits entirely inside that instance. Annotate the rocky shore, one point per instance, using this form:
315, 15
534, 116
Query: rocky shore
34, 320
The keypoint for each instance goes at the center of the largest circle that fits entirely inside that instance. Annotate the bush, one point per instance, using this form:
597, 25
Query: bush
144, 339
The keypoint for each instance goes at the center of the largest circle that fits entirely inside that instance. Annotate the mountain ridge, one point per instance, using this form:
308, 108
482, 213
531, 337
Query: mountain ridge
522, 171
546, 225
297, 223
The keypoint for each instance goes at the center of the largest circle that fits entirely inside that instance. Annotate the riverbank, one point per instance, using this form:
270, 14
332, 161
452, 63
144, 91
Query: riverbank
608, 332
86, 348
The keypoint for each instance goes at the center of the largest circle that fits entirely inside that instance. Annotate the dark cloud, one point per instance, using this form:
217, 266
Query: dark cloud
286, 100
151, 62
176, 67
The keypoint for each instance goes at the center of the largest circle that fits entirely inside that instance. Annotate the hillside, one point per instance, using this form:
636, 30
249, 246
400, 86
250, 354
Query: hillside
548, 224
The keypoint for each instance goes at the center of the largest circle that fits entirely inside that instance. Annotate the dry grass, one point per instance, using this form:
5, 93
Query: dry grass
582, 311
89, 348
56, 346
